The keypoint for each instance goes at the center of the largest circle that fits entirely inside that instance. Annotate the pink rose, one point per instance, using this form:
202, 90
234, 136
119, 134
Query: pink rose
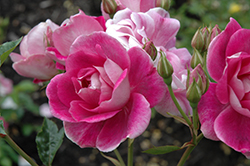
224, 110
6, 86
33, 61
135, 29
106, 93
70, 29
134, 5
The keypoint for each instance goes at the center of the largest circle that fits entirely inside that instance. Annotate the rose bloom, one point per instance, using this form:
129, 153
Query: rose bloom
135, 29
156, 26
6, 86
33, 61
70, 29
224, 111
134, 5
106, 93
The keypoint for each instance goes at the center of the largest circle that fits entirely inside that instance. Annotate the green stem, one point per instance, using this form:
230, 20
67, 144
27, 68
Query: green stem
130, 152
178, 105
19, 150
119, 157
195, 121
188, 151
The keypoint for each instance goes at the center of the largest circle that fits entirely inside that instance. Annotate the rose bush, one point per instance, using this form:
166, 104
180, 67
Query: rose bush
33, 61
106, 93
69, 30
224, 110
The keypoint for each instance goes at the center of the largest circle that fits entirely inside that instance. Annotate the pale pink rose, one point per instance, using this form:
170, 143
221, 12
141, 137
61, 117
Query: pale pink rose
134, 5
135, 29
70, 29
33, 61
224, 111
106, 94
180, 60
6, 86
44, 110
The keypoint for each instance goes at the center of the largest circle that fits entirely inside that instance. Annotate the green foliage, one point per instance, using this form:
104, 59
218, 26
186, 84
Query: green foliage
7, 154
193, 14
113, 160
162, 149
48, 140
7, 48
4, 22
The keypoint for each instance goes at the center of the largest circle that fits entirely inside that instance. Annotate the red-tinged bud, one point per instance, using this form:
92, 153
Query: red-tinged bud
196, 59
198, 40
206, 37
200, 78
150, 49
2, 131
165, 4
165, 69
109, 7
215, 31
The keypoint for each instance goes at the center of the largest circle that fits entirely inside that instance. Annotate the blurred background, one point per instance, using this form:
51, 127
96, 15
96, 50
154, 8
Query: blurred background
24, 107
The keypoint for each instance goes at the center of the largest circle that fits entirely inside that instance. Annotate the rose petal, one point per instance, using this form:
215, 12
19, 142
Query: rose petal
166, 105
106, 45
36, 66
233, 129
144, 78
81, 114
120, 95
217, 50
79, 24
209, 108
235, 44
57, 108
83, 134
140, 114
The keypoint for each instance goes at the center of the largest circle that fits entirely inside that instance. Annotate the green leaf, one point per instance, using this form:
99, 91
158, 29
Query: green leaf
2, 131
26, 86
7, 48
48, 141
6, 161
114, 161
28, 103
162, 149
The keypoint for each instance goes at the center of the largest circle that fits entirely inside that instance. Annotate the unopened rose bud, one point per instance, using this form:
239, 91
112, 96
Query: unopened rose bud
198, 40
165, 4
150, 49
206, 37
200, 77
165, 69
110, 7
194, 92
196, 59
215, 31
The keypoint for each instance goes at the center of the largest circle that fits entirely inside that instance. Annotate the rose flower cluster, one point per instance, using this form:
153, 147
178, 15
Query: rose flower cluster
103, 78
